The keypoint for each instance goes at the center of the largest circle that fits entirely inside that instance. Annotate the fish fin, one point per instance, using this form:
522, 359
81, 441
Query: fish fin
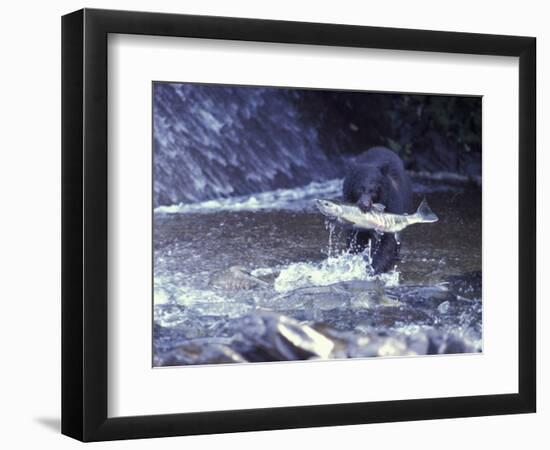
378, 207
425, 212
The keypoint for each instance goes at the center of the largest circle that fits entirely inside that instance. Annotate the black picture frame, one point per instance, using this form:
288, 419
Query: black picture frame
84, 224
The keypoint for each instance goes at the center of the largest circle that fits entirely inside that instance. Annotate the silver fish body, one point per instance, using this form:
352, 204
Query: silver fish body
350, 215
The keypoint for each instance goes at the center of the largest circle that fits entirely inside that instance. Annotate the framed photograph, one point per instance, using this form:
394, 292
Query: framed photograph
273, 224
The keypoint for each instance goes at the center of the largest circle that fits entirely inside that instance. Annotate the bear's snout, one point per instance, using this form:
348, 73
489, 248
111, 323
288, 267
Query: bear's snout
365, 203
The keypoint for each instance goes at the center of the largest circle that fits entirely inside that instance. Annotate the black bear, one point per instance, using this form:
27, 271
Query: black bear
378, 176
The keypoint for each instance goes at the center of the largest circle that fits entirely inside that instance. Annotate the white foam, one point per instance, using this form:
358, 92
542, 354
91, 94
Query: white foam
294, 199
290, 199
343, 267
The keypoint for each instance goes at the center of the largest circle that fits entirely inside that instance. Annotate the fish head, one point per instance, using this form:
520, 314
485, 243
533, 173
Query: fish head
328, 208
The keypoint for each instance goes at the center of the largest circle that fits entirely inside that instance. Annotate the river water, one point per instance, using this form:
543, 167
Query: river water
263, 277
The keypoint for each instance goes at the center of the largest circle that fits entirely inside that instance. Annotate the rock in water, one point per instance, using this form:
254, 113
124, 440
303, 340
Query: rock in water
443, 307
236, 278
351, 345
268, 336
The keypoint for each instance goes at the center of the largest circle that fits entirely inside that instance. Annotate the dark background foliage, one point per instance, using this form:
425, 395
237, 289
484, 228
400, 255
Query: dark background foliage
430, 132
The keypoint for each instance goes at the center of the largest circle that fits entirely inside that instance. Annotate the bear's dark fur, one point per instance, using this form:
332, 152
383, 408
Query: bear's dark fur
378, 176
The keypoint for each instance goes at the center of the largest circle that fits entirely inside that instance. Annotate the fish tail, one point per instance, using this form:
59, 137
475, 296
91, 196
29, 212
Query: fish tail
425, 213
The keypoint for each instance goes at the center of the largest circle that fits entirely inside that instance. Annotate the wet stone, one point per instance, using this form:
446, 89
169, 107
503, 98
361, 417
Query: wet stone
443, 307
200, 352
281, 338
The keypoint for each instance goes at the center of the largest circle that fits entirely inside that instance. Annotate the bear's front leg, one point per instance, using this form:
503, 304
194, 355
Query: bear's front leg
384, 253
358, 241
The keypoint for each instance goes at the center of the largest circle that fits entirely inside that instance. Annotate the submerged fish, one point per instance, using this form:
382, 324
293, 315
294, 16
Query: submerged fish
350, 215
236, 278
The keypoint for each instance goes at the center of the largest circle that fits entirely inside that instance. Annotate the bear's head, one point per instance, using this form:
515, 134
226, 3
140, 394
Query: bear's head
363, 185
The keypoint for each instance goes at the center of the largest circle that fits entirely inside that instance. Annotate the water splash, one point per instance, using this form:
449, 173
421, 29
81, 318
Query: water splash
343, 267
331, 227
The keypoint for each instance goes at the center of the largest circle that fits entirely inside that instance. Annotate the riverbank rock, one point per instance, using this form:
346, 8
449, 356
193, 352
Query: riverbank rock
274, 337
265, 336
